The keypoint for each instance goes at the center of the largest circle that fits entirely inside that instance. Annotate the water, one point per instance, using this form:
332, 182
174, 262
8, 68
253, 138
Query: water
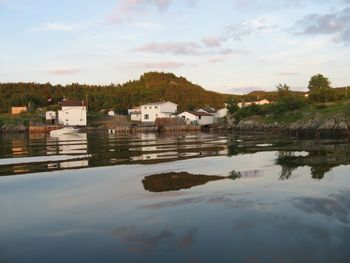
174, 198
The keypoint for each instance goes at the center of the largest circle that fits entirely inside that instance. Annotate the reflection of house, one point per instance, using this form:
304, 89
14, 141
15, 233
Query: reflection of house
135, 114
18, 110
260, 102
73, 113
198, 118
151, 111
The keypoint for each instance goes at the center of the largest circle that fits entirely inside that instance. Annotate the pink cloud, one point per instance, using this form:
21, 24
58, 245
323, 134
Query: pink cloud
177, 48
161, 65
212, 41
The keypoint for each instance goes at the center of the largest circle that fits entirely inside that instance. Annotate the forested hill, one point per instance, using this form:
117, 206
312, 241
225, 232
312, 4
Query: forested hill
152, 86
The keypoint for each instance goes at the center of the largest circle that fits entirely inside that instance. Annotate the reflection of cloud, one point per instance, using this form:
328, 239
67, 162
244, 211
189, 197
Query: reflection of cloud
141, 242
180, 202
187, 240
335, 206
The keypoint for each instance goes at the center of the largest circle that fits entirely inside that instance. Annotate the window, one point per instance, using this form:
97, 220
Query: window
145, 108
146, 117
81, 119
66, 120
66, 112
150, 107
156, 107
200, 117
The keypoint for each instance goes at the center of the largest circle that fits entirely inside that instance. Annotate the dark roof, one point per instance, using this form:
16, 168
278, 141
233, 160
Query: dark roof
198, 113
73, 103
208, 109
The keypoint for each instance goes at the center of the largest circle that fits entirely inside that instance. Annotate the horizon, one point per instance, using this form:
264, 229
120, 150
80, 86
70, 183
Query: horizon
253, 46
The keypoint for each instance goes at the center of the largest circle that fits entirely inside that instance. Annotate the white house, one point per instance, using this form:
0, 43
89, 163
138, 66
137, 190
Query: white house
135, 114
207, 109
73, 113
221, 113
50, 115
197, 118
151, 111
111, 113
260, 102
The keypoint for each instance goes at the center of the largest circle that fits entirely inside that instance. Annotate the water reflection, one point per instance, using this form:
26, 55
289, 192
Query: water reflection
102, 149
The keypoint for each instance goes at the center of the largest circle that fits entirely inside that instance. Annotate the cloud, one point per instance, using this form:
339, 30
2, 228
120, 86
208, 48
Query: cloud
130, 10
336, 24
63, 71
176, 48
288, 73
161, 65
212, 41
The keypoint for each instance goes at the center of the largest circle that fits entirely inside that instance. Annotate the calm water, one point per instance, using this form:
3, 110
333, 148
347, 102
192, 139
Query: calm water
174, 198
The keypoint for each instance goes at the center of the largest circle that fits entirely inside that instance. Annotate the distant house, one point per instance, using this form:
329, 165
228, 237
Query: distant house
197, 118
135, 114
221, 113
18, 110
151, 111
50, 116
73, 113
111, 113
260, 102
207, 109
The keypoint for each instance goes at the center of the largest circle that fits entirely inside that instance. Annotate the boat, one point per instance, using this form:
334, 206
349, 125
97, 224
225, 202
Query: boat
65, 130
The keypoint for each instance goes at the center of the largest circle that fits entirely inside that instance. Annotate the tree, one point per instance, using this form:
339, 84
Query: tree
232, 106
283, 90
321, 90
318, 82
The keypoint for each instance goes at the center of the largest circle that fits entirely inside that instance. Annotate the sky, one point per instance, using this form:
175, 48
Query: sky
230, 46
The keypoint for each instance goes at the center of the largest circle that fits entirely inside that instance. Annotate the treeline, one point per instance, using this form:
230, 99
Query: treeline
150, 87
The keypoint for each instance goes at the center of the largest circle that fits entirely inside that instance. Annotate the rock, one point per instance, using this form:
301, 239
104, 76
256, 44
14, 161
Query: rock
230, 121
327, 125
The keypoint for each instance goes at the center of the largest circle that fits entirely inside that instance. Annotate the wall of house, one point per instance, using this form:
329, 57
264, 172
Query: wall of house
149, 113
188, 117
221, 113
18, 110
135, 117
72, 116
205, 120
168, 107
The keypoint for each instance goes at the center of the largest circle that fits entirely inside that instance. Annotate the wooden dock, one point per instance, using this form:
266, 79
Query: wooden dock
43, 129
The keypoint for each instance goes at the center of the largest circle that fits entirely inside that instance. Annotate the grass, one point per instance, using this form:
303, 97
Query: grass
23, 118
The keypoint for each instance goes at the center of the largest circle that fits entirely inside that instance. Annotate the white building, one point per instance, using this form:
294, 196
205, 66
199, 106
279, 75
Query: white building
50, 115
207, 109
260, 102
73, 113
135, 114
151, 111
221, 113
197, 118
111, 113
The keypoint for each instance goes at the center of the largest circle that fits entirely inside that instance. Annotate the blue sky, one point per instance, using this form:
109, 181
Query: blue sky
224, 45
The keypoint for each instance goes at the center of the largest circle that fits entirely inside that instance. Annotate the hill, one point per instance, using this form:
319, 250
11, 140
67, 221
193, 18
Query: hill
152, 86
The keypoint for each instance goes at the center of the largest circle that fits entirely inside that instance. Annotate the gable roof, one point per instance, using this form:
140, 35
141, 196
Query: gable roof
73, 103
158, 103
196, 113
207, 109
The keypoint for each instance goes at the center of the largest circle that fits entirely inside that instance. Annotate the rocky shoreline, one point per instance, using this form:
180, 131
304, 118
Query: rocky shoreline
314, 127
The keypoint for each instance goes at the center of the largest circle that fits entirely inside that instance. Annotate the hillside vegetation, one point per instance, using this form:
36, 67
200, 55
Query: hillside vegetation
152, 86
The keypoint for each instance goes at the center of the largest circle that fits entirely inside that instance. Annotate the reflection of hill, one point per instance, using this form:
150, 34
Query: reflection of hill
176, 181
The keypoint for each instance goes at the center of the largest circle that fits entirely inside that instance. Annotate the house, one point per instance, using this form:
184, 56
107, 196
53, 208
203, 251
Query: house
260, 102
221, 113
151, 111
111, 113
207, 109
197, 118
135, 114
73, 113
18, 110
50, 116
